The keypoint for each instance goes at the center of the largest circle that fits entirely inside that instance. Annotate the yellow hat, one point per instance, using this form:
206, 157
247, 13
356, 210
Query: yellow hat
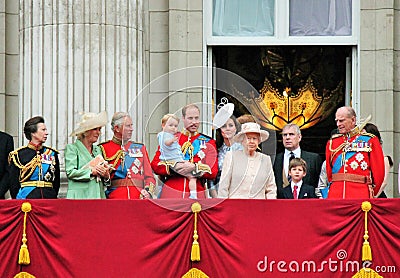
89, 121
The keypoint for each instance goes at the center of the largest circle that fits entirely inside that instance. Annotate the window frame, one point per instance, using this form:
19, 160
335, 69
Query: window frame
280, 37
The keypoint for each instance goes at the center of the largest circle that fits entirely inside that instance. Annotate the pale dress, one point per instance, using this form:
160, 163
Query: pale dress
245, 177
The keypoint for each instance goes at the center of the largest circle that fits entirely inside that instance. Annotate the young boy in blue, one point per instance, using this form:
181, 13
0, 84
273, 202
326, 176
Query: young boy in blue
171, 151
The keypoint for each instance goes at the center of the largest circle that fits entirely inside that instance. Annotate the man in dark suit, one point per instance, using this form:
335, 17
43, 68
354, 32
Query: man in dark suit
291, 137
6, 146
297, 188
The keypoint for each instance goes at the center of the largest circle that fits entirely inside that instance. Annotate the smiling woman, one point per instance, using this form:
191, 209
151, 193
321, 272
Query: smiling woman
248, 174
85, 178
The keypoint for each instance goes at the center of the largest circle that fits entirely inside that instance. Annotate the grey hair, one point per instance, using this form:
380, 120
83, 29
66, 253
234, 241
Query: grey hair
296, 127
118, 119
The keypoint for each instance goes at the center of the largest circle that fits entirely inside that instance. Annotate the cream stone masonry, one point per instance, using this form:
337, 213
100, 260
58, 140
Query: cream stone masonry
9, 64
176, 39
378, 76
80, 56
59, 58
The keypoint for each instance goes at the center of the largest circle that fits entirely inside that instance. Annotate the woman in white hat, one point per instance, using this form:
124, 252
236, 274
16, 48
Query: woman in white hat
248, 174
227, 126
85, 168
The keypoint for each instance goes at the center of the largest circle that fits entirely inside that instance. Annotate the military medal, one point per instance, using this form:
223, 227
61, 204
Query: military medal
137, 162
135, 170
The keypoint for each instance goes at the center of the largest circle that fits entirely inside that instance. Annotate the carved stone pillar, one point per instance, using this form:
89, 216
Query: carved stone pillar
78, 55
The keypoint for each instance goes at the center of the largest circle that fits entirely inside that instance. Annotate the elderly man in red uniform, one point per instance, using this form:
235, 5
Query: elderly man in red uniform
354, 160
132, 176
197, 148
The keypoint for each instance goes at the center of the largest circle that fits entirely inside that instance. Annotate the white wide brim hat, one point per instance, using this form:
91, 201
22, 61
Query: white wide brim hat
251, 128
89, 121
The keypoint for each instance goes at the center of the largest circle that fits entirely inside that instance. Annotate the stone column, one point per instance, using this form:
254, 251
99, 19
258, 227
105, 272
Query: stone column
79, 56
175, 43
378, 84
9, 55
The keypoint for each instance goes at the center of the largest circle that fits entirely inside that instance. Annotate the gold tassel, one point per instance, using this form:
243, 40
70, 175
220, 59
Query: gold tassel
366, 253
366, 249
195, 273
24, 275
195, 254
24, 258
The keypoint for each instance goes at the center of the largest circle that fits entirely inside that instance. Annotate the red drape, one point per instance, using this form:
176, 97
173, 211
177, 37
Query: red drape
238, 238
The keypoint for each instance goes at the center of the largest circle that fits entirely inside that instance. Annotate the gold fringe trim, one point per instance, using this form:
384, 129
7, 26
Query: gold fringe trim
24, 258
366, 273
195, 273
200, 167
195, 254
24, 275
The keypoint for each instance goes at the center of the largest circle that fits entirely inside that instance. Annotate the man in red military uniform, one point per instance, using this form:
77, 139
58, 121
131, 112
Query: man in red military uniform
132, 176
354, 160
197, 148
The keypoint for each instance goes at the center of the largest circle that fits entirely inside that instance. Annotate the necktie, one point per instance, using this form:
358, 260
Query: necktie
290, 159
295, 192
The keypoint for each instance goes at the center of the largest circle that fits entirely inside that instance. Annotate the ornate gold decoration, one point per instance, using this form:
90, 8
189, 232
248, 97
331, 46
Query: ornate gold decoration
195, 254
366, 253
306, 107
195, 273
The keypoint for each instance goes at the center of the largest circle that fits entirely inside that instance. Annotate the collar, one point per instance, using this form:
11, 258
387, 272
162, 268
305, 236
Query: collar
117, 140
35, 147
354, 131
297, 152
188, 133
299, 184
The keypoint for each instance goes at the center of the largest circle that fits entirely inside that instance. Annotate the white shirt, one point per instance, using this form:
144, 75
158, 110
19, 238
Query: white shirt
299, 184
286, 157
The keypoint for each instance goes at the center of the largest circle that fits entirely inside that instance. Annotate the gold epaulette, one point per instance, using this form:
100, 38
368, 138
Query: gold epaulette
51, 148
368, 134
337, 135
11, 156
99, 144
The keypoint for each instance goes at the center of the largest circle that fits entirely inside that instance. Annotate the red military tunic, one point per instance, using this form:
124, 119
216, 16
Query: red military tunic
132, 169
199, 149
354, 165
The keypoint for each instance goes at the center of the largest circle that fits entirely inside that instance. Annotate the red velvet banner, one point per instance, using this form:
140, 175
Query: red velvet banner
238, 238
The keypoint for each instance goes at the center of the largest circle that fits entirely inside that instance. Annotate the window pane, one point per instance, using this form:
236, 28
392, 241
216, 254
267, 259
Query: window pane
243, 18
288, 84
320, 17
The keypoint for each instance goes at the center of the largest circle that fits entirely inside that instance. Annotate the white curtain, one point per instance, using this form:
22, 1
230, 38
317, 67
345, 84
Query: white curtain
320, 18
243, 17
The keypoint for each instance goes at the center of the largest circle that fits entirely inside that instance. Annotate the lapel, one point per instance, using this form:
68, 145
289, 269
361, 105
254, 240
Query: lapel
302, 192
280, 177
287, 192
84, 156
